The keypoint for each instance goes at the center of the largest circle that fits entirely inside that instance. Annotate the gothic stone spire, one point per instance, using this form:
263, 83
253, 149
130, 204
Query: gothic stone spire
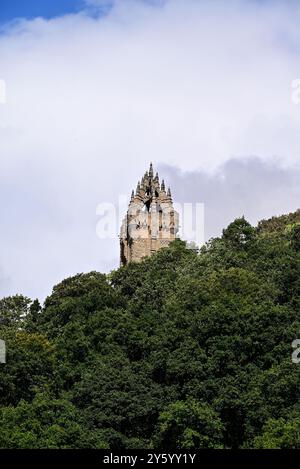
151, 221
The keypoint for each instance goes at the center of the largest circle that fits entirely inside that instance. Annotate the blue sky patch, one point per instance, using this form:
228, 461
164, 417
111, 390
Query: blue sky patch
12, 9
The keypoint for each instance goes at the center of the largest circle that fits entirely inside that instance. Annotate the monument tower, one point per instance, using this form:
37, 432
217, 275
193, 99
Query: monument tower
151, 221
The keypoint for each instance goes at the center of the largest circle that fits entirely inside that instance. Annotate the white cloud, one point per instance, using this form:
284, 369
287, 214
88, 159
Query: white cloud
90, 101
248, 187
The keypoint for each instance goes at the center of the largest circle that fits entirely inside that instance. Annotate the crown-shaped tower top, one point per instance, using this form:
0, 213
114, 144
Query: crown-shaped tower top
149, 189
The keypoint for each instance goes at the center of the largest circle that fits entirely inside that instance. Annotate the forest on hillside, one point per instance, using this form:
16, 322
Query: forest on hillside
182, 350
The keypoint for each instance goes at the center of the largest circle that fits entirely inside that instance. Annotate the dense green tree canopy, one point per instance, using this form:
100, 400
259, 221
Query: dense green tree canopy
182, 350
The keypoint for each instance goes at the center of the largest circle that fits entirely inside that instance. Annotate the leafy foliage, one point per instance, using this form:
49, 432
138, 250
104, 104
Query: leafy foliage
182, 350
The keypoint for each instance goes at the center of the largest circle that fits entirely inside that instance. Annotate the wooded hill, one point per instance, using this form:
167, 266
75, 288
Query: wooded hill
179, 351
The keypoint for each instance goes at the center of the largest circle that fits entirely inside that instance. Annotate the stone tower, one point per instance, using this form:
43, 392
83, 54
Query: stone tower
151, 221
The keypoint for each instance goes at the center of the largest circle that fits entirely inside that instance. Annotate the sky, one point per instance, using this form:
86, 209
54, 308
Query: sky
96, 89
29, 9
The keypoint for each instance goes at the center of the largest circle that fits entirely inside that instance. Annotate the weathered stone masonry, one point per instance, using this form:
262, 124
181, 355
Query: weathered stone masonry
151, 221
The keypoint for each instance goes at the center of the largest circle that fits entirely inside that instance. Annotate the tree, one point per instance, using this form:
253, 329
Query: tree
279, 434
188, 425
45, 423
239, 233
13, 310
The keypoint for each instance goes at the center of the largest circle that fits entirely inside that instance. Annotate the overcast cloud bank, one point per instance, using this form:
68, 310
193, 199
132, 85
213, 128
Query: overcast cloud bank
91, 100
